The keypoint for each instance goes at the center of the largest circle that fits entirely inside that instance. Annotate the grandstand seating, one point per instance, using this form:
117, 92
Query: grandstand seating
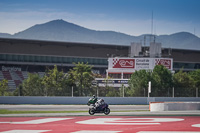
41, 74
7, 75
15, 78
25, 74
11, 84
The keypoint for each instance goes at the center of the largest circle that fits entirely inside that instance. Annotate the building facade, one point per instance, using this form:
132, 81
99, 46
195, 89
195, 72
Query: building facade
18, 57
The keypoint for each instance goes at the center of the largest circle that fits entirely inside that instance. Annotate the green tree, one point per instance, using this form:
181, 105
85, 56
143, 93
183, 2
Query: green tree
54, 82
195, 75
183, 84
82, 77
138, 83
162, 81
19, 91
112, 92
3, 87
32, 86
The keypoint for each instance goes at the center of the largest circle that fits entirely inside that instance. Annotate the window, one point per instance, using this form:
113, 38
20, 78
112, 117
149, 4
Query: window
115, 75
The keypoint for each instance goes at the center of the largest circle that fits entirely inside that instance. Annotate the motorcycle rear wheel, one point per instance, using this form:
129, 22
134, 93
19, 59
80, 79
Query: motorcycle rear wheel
106, 111
91, 111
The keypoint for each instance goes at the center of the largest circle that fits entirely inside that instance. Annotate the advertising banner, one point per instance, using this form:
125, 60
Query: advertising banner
139, 63
143, 63
165, 62
123, 63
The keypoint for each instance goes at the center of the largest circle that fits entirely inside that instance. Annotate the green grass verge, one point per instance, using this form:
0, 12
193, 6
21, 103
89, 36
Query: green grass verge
5, 111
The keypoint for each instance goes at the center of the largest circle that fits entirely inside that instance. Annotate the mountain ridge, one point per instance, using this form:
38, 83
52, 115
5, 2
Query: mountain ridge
60, 30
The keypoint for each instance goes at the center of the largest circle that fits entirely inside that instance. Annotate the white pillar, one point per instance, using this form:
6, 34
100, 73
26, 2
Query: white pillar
149, 89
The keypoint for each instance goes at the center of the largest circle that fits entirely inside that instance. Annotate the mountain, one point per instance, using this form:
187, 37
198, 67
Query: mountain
182, 40
5, 35
60, 30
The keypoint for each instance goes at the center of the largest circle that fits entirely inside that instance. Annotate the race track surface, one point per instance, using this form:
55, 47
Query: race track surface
101, 124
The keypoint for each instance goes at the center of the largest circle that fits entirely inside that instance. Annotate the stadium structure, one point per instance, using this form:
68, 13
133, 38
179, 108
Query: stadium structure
18, 57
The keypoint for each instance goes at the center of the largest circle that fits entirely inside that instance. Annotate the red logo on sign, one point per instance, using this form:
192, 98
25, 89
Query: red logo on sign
164, 62
123, 63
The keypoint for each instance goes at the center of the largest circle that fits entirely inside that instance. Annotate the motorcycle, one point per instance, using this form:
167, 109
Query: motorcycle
101, 109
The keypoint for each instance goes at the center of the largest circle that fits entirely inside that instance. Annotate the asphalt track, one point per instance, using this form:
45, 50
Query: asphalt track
71, 107
101, 124
116, 110
122, 119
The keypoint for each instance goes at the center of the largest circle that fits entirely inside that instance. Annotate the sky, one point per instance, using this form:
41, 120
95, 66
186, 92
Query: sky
133, 17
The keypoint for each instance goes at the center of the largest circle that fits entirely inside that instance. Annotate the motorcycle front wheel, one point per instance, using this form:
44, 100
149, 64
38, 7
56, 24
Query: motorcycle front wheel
91, 111
106, 111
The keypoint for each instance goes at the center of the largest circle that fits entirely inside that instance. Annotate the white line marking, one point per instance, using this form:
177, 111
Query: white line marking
128, 121
196, 125
39, 121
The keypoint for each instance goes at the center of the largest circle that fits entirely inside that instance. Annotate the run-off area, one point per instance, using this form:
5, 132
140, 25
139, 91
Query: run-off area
101, 124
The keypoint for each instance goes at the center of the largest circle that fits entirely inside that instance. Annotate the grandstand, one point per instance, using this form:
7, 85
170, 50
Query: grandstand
18, 57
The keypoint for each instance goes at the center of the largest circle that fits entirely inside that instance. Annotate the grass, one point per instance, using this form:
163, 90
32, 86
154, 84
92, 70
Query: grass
5, 111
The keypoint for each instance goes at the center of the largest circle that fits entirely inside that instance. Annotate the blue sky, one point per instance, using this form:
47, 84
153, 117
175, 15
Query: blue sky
133, 17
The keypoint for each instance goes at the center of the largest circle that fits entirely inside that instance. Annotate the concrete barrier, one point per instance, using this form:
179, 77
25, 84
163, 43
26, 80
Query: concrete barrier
174, 106
69, 100
84, 100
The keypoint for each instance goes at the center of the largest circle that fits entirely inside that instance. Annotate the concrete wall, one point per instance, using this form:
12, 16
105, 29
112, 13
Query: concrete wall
84, 100
174, 106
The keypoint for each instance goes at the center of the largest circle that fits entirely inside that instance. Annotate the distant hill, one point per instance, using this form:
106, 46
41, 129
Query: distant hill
5, 35
60, 30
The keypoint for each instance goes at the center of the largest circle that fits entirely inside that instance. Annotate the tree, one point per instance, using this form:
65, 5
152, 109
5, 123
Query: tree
32, 86
19, 91
138, 83
195, 77
82, 77
183, 84
54, 82
162, 81
3, 87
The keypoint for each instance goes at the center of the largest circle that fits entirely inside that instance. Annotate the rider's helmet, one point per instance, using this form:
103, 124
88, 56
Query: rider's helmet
94, 96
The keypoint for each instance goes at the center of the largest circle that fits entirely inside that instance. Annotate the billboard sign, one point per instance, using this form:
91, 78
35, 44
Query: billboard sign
165, 62
143, 63
123, 63
139, 63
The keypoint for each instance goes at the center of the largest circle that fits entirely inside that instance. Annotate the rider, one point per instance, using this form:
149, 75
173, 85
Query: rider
94, 99
99, 103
